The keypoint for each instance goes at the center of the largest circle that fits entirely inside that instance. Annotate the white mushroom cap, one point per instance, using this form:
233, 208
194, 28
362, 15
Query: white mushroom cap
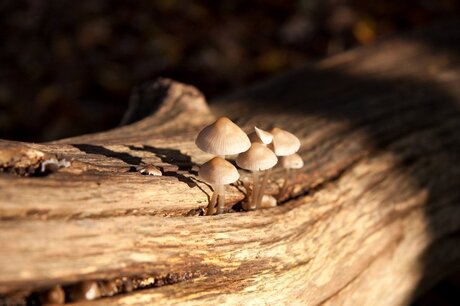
264, 136
218, 171
260, 136
258, 157
223, 137
293, 161
284, 143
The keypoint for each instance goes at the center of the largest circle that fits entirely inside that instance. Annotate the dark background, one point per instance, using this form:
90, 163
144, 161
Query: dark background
68, 67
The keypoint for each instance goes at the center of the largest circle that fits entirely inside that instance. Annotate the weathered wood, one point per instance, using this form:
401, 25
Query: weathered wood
373, 218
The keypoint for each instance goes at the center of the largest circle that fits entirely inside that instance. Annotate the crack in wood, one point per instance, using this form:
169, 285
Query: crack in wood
102, 288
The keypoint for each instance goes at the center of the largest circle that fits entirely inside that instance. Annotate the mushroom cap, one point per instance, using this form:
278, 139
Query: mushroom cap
258, 157
284, 143
218, 171
223, 137
293, 161
264, 136
260, 136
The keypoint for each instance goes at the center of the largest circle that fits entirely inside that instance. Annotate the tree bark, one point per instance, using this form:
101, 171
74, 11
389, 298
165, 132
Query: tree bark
372, 218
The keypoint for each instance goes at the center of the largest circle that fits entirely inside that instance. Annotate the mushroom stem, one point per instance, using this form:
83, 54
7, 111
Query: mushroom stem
262, 187
221, 203
255, 189
212, 202
285, 183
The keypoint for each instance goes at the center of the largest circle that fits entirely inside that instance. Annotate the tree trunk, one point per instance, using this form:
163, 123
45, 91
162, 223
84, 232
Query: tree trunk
372, 218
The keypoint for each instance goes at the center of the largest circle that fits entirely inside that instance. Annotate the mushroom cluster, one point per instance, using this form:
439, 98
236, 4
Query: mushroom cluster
257, 152
221, 138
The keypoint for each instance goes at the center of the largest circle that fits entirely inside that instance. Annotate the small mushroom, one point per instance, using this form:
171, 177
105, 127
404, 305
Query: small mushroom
257, 158
265, 138
260, 136
149, 169
284, 143
218, 172
293, 161
222, 138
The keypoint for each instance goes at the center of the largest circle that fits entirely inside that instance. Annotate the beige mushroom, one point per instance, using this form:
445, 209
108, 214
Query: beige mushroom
222, 138
260, 136
284, 143
149, 169
265, 138
218, 172
281, 142
257, 158
290, 162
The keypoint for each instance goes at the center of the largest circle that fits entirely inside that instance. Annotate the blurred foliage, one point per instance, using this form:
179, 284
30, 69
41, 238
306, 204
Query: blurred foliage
67, 67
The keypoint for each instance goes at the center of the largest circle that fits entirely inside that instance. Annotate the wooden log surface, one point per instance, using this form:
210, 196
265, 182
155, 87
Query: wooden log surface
373, 217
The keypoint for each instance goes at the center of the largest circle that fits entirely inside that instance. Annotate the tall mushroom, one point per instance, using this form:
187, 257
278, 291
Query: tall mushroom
218, 172
257, 158
265, 138
293, 161
222, 138
284, 144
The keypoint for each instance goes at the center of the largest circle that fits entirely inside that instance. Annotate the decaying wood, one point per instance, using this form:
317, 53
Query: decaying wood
373, 218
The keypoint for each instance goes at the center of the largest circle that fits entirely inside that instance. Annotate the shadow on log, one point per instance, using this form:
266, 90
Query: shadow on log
373, 218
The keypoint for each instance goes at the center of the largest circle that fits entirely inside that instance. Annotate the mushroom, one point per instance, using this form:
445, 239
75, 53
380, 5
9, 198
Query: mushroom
260, 136
218, 172
284, 143
265, 138
257, 158
149, 169
222, 138
293, 161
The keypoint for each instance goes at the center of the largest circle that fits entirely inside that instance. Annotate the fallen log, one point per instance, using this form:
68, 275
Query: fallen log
372, 218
